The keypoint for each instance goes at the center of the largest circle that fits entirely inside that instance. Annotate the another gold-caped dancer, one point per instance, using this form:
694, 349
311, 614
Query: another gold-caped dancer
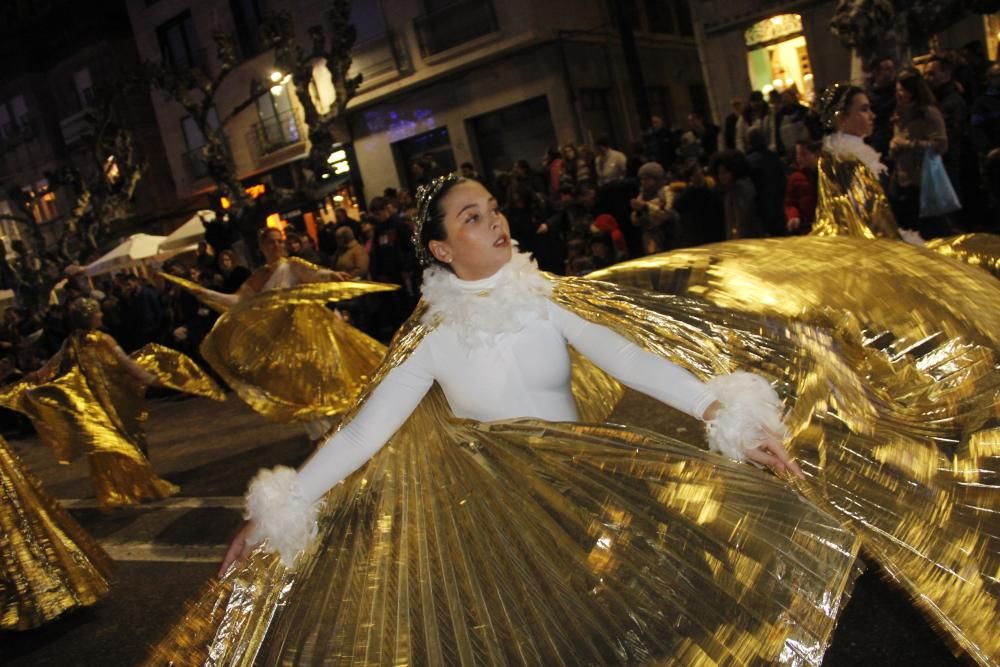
851, 201
48, 564
279, 346
89, 399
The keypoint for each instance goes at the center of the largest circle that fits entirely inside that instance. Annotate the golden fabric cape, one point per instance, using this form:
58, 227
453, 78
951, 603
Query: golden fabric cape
531, 542
851, 202
896, 426
91, 405
289, 356
48, 564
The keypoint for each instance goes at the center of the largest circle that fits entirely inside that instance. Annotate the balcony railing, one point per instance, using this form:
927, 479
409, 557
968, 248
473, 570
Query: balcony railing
456, 24
377, 57
76, 127
273, 134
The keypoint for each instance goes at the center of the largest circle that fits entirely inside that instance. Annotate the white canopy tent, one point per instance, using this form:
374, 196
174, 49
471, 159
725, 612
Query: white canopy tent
131, 253
189, 233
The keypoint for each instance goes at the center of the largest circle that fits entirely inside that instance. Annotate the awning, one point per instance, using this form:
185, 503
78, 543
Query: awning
189, 233
135, 250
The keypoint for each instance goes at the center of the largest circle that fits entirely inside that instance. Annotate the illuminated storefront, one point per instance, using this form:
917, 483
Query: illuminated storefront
777, 57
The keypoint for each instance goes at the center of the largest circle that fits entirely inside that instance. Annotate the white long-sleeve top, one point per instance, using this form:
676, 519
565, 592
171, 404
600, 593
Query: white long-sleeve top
522, 371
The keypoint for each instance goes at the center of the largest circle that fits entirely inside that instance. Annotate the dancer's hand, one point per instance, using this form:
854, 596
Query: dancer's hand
772, 454
239, 548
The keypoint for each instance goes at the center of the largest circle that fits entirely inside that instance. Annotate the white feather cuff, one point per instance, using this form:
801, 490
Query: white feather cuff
280, 514
750, 408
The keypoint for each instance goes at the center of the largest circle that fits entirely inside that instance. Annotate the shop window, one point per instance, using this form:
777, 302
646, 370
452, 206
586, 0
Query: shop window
424, 157
179, 43
449, 23
778, 58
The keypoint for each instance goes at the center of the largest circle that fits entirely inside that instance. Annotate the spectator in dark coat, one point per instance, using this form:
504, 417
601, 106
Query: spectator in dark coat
142, 314
985, 123
882, 98
953, 107
738, 195
729, 126
767, 171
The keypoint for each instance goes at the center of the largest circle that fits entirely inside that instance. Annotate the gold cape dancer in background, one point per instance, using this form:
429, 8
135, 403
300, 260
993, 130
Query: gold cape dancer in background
280, 347
851, 201
48, 563
89, 399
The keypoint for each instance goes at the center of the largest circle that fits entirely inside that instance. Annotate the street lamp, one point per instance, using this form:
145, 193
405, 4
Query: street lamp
278, 81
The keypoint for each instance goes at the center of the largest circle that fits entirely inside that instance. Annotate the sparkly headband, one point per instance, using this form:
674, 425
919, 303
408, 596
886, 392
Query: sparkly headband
832, 102
85, 306
426, 194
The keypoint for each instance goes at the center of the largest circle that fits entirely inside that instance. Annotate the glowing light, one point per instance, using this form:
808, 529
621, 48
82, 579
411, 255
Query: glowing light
276, 90
224, 203
341, 167
275, 221
777, 83
338, 198
808, 77
789, 82
767, 89
777, 20
337, 156
276, 76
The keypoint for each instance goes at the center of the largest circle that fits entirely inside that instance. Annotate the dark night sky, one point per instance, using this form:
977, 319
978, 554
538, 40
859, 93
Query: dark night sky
37, 33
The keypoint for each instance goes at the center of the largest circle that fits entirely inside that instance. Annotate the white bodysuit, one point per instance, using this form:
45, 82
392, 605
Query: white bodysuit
522, 371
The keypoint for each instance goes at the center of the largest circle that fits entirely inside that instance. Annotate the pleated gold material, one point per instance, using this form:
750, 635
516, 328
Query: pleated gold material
289, 356
91, 405
851, 201
895, 377
982, 250
48, 564
537, 543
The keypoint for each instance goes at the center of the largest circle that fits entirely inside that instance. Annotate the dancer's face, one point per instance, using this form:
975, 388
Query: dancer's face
477, 241
857, 118
272, 246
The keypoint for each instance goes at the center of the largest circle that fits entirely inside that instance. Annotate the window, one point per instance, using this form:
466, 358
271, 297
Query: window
661, 17
178, 42
247, 15
84, 88
661, 103
699, 99
7, 128
277, 127
596, 106
448, 24
684, 22
20, 108
193, 137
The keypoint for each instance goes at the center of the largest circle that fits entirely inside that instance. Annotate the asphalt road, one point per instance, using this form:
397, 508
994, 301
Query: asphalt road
166, 550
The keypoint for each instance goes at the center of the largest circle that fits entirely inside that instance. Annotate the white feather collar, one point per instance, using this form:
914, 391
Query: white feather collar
844, 146
480, 310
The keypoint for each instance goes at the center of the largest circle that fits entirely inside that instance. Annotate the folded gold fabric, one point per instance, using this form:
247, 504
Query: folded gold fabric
48, 564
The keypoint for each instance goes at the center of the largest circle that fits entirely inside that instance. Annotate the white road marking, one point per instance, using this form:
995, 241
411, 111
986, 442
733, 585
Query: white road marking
175, 503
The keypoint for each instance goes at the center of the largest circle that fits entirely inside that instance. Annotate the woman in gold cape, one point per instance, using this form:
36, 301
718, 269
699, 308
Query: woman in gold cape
48, 564
851, 201
315, 363
89, 399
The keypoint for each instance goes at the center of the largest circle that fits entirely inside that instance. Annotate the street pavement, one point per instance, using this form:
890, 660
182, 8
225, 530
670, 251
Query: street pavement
166, 550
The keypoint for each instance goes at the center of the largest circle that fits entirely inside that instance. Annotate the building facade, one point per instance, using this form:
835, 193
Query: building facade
750, 45
48, 95
469, 81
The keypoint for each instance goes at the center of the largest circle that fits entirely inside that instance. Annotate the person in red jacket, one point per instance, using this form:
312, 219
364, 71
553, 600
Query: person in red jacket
801, 188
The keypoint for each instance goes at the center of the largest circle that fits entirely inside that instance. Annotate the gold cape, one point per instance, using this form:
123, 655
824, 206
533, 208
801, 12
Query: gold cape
91, 405
287, 355
851, 202
530, 542
48, 563
896, 425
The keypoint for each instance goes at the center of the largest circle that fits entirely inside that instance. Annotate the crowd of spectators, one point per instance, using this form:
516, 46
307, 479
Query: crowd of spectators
584, 207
